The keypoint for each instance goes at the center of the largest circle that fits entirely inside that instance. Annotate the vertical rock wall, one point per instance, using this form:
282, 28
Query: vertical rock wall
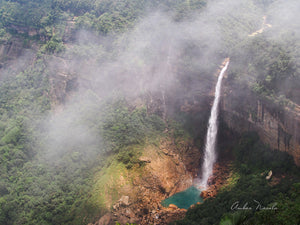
278, 128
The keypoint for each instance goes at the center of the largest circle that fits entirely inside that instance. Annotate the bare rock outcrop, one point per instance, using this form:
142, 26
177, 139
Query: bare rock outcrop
165, 172
221, 172
278, 127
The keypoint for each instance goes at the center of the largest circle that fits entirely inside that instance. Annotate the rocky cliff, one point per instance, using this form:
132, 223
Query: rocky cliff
277, 126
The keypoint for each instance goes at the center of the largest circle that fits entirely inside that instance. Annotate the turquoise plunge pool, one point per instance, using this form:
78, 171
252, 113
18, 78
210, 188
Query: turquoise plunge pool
184, 199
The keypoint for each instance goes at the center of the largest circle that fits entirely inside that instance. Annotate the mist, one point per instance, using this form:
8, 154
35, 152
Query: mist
68, 115
158, 56
144, 61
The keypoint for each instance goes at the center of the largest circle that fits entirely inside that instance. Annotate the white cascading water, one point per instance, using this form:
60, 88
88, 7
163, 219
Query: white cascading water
211, 136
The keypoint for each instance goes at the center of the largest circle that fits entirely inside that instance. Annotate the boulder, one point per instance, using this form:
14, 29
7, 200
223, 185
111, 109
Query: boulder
105, 220
204, 194
172, 206
124, 200
269, 175
145, 159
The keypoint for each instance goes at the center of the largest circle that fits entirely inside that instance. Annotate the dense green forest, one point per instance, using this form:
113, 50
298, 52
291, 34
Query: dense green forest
61, 123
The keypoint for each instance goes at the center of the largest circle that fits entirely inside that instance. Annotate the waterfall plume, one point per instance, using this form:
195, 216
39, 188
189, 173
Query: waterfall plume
211, 135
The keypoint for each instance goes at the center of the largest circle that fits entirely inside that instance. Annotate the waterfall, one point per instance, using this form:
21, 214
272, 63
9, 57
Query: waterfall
211, 136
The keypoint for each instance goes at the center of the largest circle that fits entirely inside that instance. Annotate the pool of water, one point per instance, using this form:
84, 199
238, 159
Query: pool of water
184, 199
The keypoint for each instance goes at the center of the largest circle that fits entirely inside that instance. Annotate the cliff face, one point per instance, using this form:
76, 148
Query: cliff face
277, 127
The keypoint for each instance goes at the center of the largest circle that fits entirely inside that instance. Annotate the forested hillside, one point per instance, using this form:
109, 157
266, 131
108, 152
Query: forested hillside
87, 86
47, 179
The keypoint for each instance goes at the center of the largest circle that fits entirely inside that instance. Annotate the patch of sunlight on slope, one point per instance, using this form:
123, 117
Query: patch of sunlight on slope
108, 183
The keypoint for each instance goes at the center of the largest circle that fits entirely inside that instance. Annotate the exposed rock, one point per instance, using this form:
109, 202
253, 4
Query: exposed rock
204, 194
122, 219
166, 152
105, 220
63, 80
167, 172
269, 175
221, 173
124, 200
173, 207
163, 175
145, 159
155, 104
276, 179
278, 127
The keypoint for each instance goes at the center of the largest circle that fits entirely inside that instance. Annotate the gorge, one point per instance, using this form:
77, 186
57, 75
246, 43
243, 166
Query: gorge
105, 106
